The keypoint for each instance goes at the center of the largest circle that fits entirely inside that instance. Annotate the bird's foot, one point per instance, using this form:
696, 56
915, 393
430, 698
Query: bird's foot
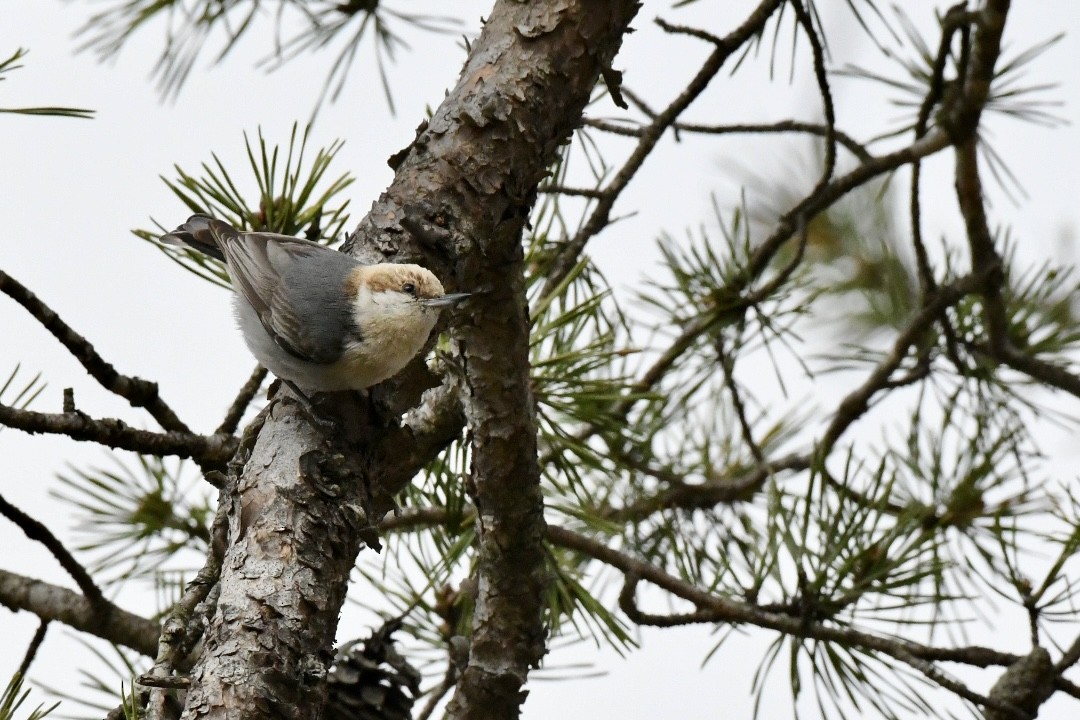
319, 421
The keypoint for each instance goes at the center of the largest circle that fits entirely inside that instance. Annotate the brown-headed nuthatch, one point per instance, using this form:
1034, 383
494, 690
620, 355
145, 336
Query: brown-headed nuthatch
315, 317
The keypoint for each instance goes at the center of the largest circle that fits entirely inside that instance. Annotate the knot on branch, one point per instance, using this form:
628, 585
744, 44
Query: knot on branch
1025, 686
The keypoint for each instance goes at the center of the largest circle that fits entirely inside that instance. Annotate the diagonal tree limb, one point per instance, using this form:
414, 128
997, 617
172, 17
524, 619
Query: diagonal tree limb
40, 533
140, 393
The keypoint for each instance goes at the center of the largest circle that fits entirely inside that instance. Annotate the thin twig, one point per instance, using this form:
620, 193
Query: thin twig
32, 648
571, 191
952, 21
178, 631
240, 405
601, 213
727, 364
690, 31
784, 126
822, 78
614, 128
1070, 657
857, 402
737, 485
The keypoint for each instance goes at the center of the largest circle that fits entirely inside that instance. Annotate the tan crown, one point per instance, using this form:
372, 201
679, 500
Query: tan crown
393, 277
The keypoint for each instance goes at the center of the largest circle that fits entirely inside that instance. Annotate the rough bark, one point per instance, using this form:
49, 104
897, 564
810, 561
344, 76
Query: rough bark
467, 183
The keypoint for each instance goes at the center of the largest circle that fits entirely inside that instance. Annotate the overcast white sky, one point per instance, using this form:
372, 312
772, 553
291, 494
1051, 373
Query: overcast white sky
71, 191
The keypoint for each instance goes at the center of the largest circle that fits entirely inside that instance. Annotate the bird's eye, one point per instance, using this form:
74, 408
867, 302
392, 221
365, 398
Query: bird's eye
409, 288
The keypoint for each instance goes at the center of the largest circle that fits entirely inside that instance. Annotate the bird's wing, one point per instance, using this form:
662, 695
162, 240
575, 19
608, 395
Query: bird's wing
264, 268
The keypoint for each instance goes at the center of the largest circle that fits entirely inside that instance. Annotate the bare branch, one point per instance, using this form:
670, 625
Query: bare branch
807, 23
954, 19
140, 393
783, 126
213, 450
54, 603
38, 532
1067, 687
1070, 657
573, 192
690, 31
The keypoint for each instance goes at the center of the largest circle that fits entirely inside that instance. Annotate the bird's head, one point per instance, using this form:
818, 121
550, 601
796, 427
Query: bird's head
408, 294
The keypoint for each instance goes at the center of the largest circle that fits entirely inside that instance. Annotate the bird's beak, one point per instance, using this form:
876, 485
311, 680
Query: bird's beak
446, 300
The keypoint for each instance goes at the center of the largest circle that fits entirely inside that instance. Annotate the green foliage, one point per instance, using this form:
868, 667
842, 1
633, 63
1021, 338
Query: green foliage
134, 518
9, 64
919, 77
190, 26
22, 397
130, 703
1042, 312
14, 696
328, 20
291, 199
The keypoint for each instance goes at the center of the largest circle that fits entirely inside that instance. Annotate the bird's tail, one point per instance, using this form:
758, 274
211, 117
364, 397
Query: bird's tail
200, 232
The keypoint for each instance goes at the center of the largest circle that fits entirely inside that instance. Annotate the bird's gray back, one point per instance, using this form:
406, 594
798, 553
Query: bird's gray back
285, 279
317, 289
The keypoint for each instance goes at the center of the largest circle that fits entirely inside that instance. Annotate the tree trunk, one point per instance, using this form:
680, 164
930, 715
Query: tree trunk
468, 182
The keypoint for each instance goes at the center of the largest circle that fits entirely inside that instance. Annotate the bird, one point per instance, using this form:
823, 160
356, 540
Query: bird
318, 319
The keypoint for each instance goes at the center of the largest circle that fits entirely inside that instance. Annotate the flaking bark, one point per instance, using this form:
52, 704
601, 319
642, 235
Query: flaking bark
471, 176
